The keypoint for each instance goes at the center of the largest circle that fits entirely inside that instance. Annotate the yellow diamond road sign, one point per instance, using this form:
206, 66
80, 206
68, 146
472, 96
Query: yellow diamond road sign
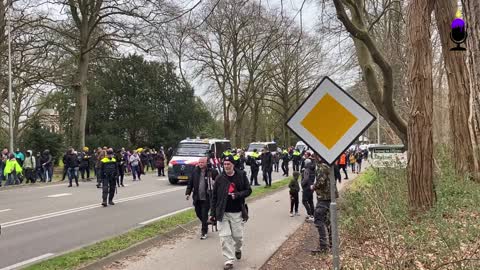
330, 120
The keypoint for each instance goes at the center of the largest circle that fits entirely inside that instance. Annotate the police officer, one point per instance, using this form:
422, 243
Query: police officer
322, 212
108, 172
296, 160
253, 162
236, 159
226, 153
285, 160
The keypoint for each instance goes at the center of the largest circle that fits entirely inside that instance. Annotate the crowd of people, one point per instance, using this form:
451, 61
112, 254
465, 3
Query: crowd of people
220, 188
19, 167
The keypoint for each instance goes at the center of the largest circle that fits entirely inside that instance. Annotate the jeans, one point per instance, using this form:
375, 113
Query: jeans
231, 234
307, 200
136, 172
72, 173
12, 179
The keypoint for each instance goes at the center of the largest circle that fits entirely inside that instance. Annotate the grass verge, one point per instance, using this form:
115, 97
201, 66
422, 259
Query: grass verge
378, 232
88, 254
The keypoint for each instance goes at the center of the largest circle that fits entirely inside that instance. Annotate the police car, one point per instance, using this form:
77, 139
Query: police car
187, 154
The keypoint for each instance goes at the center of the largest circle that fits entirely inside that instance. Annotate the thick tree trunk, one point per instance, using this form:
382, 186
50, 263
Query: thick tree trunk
459, 89
472, 12
421, 191
226, 119
81, 94
238, 131
255, 116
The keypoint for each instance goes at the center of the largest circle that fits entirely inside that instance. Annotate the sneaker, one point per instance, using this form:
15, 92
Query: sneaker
320, 251
104, 204
69, 185
122, 185
228, 265
291, 214
203, 237
238, 254
297, 214
310, 219
111, 203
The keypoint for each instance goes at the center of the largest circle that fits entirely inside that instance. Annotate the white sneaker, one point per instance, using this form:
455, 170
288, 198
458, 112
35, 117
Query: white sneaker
228, 265
297, 214
203, 237
291, 214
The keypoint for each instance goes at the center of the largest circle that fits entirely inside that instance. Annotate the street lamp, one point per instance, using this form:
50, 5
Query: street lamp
10, 110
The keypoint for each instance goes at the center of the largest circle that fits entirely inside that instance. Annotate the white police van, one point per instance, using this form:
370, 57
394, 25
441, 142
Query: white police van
187, 154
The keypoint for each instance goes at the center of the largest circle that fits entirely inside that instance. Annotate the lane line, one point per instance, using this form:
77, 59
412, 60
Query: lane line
83, 208
59, 195
18, 265
164, 216
5, 210
49, 186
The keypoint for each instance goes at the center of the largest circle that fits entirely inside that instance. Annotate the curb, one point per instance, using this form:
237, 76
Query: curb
109, 259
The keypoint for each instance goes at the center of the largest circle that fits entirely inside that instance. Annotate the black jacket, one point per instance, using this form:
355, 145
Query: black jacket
71, 161
194, 182
267, 161
220, 192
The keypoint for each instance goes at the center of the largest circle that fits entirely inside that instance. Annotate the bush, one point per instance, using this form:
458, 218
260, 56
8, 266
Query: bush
39, 139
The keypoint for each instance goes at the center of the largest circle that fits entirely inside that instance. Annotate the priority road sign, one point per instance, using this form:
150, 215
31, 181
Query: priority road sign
330, 120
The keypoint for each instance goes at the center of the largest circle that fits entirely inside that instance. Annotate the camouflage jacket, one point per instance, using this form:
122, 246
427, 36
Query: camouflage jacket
322, 182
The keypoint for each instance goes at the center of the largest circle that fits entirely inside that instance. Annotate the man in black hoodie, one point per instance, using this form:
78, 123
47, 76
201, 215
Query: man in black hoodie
267, 166
228, 205
201, 183
308, 179
71, 164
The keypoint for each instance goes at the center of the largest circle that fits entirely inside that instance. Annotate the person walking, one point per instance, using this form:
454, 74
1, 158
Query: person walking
72, 163
109, 172
135, 164
267, 166
160, 163
121, 162
322, 210
29, 166
85, 163
12, 171
294, 189
253, 162
201, 183
308, 179
47, 165
285, 161
228, 209
342, 163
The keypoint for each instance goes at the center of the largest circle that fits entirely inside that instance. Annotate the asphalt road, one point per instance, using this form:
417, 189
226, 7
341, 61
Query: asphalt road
41, 222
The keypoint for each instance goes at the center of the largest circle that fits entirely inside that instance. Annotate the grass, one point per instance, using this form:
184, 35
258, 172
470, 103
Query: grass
378, 232
94, 252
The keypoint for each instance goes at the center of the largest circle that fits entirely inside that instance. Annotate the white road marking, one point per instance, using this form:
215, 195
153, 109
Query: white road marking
20, 264
164, 216
5, 210
59, 195
83, 208
49, 186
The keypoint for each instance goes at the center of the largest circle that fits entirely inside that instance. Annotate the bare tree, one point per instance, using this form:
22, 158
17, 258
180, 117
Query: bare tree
459, 89
472, 11
421, 191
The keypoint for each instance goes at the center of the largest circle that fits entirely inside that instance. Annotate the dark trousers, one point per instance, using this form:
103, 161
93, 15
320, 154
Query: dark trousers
84, 170
121, 175
99, 178
285, 167
275, 166
201, 209
72, 173
293, 202
322, 222
307, 200
161, 171
29, 175
296, 166
336, 173
65, 171
344, 168
39, 174
108, 189
254, 176
267, 177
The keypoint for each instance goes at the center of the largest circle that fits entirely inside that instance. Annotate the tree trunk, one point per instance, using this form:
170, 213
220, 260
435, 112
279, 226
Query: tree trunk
472, 13
421, 191
81, 94
238, 131
226, 119
459, 89
255, 115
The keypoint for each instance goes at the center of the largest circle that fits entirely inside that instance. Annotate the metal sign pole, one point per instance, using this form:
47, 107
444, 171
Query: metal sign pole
334, 223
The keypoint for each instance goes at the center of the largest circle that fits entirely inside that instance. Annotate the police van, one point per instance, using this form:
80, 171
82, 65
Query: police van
272, 147
187, 154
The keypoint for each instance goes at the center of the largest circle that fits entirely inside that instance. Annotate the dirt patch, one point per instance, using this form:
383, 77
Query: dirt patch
295, 253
